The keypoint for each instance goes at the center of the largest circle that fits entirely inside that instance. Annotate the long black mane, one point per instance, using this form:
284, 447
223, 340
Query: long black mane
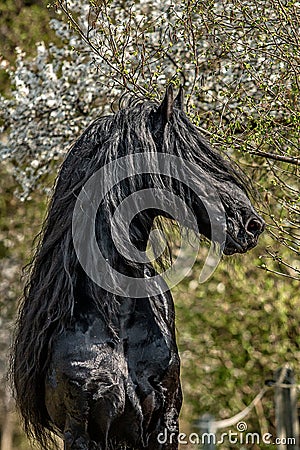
51, 292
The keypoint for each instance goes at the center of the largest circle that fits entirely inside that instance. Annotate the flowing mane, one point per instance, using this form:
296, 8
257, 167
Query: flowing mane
56, 280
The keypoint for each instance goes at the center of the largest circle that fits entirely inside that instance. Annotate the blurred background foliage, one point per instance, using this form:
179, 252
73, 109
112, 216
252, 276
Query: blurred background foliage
23, 23
233, 331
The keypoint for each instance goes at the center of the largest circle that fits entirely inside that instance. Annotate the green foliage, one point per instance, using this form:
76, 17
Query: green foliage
234, 331
23, 23
19, 223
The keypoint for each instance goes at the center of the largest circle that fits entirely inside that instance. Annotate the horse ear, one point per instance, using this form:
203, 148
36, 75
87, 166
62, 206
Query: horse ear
165, 110
178, 102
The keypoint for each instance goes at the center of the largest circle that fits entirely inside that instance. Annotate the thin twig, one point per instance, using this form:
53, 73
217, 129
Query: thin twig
287, 159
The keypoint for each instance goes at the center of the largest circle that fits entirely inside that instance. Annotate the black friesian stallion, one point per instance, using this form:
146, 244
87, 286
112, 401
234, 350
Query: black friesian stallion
98, 368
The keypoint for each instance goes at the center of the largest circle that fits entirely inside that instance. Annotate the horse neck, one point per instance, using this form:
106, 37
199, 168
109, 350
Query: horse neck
140, 228
139, 231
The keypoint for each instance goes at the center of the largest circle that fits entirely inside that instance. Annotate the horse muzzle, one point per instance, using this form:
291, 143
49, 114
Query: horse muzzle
245, 237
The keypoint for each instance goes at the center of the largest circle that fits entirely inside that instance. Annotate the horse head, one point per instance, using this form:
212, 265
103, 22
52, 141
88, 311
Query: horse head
225, 191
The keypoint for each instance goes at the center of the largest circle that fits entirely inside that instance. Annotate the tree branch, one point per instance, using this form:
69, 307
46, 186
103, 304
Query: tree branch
282, 158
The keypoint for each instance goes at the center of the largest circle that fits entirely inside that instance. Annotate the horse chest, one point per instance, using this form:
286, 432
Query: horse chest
136, 374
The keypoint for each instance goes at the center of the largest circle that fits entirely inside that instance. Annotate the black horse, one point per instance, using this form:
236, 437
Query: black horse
94, 365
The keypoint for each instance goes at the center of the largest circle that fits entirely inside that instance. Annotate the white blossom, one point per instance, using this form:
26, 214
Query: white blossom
140, 47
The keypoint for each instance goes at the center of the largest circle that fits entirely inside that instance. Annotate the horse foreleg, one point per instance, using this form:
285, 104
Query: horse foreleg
76, 436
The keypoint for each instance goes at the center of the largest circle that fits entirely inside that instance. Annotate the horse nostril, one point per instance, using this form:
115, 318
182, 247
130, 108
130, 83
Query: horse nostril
254, 226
